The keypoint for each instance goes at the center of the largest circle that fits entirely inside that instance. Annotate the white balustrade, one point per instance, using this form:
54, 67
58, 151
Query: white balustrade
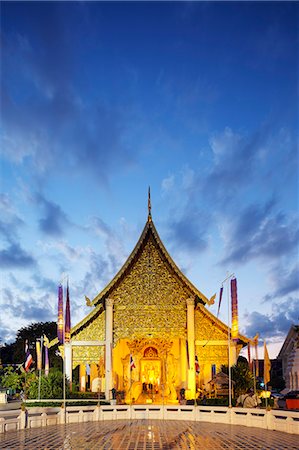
286, 421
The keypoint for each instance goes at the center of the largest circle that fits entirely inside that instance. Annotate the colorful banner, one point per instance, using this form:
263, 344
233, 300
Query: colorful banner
267, 365
60, 315
46, 344
67, 331
234, 297
28, 357
197, 368
249, 356
87, 368
255, 340
213, 368
220, 299
187, 352
132, 364
38, 355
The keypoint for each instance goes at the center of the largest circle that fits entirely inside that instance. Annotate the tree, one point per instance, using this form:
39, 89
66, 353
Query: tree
15, 353
241, 375
50, 386
12, 379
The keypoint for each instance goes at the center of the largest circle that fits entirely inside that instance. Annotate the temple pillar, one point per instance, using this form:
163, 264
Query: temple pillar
68, 361
82, 377
108, 347
191, 348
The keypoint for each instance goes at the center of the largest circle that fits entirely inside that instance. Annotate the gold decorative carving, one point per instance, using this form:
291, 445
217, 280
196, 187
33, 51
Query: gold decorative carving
87, 301
206, 329
87, 355
212, 354
138, 346
150, 352
94, 331
150, 300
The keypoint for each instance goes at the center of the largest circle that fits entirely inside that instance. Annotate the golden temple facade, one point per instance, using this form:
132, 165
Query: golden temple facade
147, 330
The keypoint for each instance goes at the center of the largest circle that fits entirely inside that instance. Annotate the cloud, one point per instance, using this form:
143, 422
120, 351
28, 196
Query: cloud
55, 221
188, 232
25, 303
285, 281
47, 129
168, 183
258, 232
16, 257
10, 221
275, 324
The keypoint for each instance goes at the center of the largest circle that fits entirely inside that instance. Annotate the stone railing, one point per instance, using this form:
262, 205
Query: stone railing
287, 421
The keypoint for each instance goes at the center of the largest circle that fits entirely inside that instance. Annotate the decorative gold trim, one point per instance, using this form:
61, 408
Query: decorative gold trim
149, 230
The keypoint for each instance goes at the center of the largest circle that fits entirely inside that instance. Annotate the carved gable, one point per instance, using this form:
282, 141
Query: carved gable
150, 300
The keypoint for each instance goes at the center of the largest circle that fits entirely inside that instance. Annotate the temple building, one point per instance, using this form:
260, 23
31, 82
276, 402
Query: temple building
149, 333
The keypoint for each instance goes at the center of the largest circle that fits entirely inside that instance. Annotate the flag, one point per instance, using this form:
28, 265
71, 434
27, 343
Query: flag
87, 368
213, 368
187, 352
60, 315
267, 365
234, 296
67, 331
220, 298
46, 344
197, 369
132, 364
28, 357
255, 341
249, 356
38, 355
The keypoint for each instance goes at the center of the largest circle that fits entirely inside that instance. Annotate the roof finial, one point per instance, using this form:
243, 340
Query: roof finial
149, 204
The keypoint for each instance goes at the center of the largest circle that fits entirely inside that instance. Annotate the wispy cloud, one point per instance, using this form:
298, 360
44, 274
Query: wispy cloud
258, 232
14, 256
274, 324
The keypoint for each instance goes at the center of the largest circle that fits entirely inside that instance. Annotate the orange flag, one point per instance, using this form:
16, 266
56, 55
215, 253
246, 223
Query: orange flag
267, 365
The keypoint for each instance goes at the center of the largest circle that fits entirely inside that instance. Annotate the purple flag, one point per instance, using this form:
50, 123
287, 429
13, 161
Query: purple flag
60, 315
67, 331
220, 298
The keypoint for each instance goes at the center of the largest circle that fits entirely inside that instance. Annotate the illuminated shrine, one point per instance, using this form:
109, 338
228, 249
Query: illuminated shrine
145, 330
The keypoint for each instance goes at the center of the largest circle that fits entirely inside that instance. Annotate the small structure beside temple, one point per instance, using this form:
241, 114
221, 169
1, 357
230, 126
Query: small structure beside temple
289, 355
146, 328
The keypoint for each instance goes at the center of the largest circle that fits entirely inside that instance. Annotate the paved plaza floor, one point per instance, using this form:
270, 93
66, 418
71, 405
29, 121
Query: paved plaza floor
148, 435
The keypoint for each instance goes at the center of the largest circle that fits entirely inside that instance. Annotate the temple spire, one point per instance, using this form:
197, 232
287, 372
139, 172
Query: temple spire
149, 205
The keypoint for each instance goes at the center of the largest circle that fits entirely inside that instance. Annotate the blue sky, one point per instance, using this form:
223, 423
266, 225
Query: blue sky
199, 100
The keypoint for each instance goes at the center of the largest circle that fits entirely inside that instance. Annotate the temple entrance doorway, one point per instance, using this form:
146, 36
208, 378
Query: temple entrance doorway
150, 376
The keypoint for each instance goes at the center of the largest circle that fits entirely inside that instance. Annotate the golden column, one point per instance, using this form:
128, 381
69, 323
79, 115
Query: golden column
191, 348
108, 347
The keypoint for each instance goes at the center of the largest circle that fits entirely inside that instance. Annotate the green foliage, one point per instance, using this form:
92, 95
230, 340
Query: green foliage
241, 375
11, 379
15, 353
50, 386
277, 383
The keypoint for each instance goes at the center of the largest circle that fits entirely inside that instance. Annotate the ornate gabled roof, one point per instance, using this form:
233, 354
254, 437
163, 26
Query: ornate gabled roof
148, 232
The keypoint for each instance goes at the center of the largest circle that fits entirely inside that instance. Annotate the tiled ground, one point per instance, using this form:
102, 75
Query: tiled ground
148, 435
